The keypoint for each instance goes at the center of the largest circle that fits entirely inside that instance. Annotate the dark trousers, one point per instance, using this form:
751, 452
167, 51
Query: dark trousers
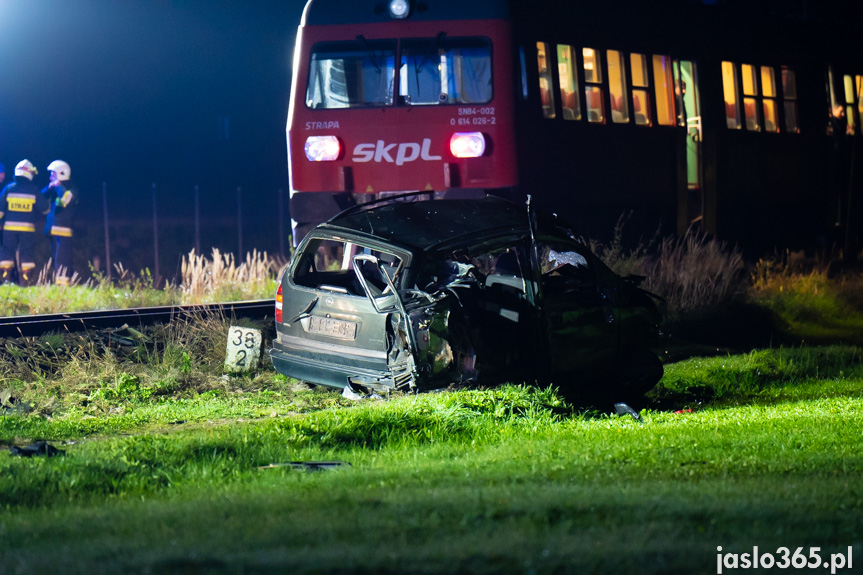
61, 254
22, 244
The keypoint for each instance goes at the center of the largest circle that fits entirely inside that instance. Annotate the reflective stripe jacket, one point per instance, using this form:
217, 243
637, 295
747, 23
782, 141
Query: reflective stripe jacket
22, 206
63, 200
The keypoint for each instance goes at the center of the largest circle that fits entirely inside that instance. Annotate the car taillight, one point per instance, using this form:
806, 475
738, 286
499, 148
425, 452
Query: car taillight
322, 148
467, 144
279, 305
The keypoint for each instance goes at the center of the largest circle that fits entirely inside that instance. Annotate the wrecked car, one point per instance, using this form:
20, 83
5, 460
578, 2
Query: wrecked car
419, 295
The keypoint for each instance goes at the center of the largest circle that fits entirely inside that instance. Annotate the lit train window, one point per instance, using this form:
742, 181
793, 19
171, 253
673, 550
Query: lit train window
729, 90
546, 92
593, 87
566, 71
836, 113
351, 74
768, 102
750, 90
663, 80
617, 87
850, 101
640, 93
789, 95
859, 83
442, 70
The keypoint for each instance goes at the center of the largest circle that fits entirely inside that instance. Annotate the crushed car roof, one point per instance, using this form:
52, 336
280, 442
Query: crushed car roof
424, 224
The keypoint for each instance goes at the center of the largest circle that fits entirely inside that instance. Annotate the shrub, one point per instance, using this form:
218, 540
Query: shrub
810, 301
693, 273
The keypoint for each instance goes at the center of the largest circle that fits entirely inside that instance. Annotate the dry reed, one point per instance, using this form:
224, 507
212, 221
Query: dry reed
202, 278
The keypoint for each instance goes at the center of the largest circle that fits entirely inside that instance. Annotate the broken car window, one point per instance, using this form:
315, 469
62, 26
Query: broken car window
506, 270
564, 269
328, 265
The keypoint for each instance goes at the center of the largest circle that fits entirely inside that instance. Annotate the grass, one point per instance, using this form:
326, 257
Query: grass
506, 480
811, 302
172, 466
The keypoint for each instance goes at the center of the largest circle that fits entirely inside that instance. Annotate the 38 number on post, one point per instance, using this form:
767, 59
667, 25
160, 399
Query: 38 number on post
244, 349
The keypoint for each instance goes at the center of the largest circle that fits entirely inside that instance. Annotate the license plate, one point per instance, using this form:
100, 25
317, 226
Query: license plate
333, 327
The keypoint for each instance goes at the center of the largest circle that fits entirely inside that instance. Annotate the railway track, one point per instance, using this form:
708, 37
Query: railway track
35, 325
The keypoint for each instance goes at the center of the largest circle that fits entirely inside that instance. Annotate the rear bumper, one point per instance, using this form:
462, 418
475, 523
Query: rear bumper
321, 369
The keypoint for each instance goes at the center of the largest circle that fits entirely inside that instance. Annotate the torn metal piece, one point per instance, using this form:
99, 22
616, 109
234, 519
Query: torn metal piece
350, 393
624, 409
124, 336
38, 448
308, 465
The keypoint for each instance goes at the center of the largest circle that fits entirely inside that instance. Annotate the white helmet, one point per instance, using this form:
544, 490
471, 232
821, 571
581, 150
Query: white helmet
26, 169
61, 168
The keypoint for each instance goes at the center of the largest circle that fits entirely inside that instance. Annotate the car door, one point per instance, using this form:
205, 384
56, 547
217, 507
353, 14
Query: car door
578, 319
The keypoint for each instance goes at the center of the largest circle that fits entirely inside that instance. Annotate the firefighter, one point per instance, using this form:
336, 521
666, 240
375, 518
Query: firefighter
22, 205
62, 198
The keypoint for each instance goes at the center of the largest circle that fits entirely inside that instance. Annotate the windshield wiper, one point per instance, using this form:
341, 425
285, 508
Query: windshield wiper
370, 53
431, 49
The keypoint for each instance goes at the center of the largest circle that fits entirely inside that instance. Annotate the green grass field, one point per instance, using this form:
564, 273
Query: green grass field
170, 466
761, 449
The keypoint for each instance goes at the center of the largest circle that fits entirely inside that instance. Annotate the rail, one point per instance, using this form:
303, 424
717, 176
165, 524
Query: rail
35, 325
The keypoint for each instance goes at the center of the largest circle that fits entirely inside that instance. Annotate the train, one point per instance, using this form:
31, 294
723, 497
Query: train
740, 119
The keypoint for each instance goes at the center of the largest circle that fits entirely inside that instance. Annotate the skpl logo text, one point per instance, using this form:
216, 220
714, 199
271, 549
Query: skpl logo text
404, 152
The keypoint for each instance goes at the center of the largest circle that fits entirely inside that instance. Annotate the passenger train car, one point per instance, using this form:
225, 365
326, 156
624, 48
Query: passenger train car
741, 118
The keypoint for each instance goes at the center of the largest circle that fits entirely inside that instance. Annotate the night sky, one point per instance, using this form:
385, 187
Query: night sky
135, 92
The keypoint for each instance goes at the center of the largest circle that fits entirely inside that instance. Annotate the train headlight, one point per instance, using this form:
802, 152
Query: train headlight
467, 144
399, 9
322, 148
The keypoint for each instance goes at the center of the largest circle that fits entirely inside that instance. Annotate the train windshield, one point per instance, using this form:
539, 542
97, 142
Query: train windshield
432, 71
353, 74
445, 71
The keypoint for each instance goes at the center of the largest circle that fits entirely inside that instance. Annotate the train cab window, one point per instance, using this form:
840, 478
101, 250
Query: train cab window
789, 95
441, 70
750, 91
617, 87
768, 102
640, 86
729, 90
663, 80
593, 87
566, 71
546, 91
352, 74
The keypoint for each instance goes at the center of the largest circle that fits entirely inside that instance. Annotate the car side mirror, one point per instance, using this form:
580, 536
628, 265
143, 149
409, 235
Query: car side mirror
384, 298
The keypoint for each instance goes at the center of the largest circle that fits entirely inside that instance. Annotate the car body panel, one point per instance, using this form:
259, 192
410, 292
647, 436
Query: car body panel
423, 294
